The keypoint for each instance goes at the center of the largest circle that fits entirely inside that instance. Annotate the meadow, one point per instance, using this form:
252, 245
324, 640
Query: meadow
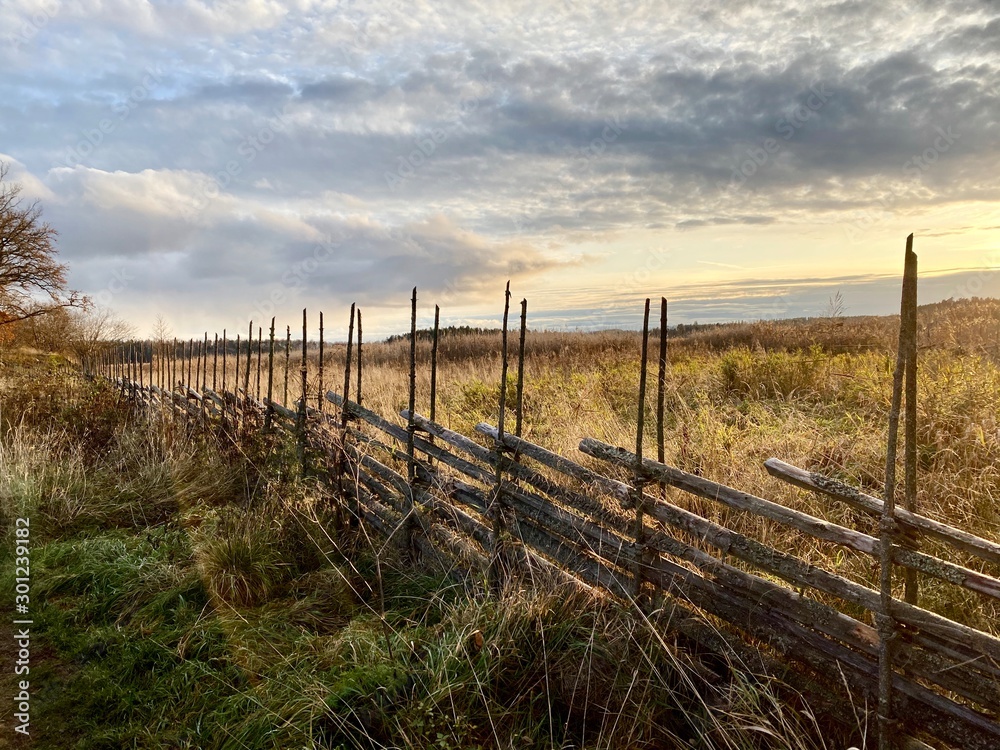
193, 592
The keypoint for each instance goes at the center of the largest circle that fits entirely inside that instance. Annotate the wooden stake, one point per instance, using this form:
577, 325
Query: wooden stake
236, 387
411, 467
520, 369
225, 401
434, 361
347, 367
342, 458
319, 395
225, 348
288, 353
304, 373
260, 351
357, 400
886, 623
911, 593
246, 372
503, 369
196, 355
637, 482
661, 384
269, 411
161, 377
204, 364
215, 363
245, 409
497, 567
411, 464
204, 378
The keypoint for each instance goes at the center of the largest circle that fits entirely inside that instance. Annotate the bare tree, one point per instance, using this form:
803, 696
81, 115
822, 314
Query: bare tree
32, 282
161, 330
93, 329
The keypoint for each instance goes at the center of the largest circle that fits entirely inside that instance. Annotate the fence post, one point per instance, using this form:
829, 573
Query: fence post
347, 371
215, 363
204, 379
320, 395
197, 369
260, 353
661, 382
495, 510
519, 423
357, 400
174, 377
236, 388
661, 388
246, 376
225, 401
637, 478
344, 416
911, 592
204, 365
288, 352
225, 371
434, 363
411, 427
246, 370
434, 368
269, 410
161, 374
304, 373
887, 527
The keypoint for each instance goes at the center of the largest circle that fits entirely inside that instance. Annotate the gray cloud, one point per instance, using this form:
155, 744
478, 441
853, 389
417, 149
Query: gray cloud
427, 140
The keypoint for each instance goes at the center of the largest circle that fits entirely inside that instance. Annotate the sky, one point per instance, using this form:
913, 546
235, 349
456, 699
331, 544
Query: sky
213, 163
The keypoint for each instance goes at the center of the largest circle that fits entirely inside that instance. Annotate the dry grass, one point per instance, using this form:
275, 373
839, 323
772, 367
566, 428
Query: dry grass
813, 392
238, 616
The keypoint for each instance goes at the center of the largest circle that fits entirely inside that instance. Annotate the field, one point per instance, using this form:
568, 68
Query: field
191, 593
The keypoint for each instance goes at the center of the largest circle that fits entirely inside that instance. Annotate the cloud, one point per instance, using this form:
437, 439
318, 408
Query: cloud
430, 141
145, 224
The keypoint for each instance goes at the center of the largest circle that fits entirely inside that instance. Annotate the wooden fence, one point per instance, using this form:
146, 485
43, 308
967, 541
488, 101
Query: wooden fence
503, 506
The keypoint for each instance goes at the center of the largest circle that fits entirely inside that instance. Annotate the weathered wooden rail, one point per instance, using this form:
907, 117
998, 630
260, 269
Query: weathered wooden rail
501, 507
